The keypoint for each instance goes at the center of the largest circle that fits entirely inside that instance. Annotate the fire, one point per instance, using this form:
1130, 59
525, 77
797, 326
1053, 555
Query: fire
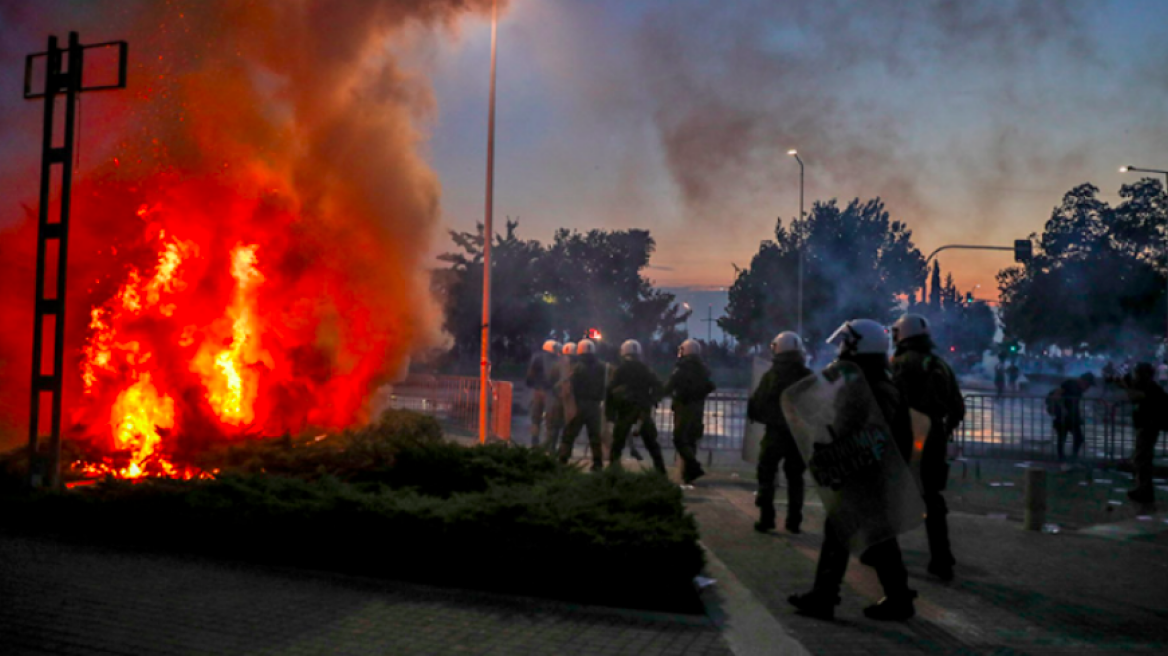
250, 237
135, 419
231, 376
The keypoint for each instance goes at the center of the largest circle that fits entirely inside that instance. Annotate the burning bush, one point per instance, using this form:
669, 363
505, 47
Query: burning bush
250, 223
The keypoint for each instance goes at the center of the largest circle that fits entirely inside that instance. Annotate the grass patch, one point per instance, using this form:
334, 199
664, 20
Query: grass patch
396, 501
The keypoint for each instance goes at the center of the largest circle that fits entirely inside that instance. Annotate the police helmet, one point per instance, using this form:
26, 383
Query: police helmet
551, 346
860, 336
570, 348
909, 325
630, 347
786, 342
585, 346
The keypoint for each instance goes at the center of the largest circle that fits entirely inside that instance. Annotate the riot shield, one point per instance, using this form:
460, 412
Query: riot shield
866, 487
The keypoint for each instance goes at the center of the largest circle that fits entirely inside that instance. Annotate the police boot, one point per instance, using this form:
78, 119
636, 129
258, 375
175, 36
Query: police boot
766, 521
893, 609
941, 570
815, 604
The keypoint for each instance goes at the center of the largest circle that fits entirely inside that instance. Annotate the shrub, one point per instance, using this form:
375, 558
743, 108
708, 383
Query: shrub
395, 501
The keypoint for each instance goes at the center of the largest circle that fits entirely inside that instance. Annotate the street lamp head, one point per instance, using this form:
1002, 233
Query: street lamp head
792, 152
1124, 169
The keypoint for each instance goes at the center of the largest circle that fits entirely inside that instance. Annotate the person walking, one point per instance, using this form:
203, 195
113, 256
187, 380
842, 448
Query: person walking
929, 386
632, 393
788, 365
539, 379
865, 343
689, 385
587, 383
1150, 416
1065, 406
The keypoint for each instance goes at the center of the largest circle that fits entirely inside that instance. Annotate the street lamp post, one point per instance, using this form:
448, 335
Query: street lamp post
794, 153
485, 364
1125, 169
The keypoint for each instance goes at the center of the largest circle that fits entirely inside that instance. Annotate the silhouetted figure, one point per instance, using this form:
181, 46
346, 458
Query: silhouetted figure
540, 373
632, 393
929, 386
689, 385
1065, 405
1149, 417
778, 445
587, 381
865, 343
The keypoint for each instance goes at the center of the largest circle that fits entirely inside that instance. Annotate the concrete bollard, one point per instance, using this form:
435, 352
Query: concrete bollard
1035, 515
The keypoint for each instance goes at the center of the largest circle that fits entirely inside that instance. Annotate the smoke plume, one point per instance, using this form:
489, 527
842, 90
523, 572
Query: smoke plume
250, 214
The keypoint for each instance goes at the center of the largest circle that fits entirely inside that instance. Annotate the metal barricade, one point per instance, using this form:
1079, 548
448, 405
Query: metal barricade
455, 400
724, 421
1019, 428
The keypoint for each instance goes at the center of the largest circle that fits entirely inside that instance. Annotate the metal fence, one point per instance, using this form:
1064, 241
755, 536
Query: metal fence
724, 421
1019, 427
455, 401
1005, 427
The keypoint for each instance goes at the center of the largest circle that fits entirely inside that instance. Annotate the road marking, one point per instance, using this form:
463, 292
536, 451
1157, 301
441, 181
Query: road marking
745, 622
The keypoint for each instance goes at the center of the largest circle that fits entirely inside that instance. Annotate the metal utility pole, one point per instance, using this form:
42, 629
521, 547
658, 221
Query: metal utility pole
709, 321
63, 76
1125, 169
488, 233
802, 245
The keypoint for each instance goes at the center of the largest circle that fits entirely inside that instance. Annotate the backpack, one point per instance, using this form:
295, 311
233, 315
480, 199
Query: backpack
946, 391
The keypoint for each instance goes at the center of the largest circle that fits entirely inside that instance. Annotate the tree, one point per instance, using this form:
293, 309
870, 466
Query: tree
935, 288
597, 281
857, 263
518, 311
1098, 277
580, 281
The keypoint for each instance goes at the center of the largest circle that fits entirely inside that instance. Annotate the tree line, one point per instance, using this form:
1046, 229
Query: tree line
1097, 278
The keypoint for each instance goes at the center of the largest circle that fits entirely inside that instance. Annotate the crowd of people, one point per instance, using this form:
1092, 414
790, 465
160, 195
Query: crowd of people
573, 391
920, 404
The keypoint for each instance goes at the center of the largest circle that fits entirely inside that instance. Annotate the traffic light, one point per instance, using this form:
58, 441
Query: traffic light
1013, 348
968, 297
593, 333
1023, 250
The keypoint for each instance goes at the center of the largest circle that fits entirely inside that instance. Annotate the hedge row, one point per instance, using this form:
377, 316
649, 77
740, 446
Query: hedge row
395, 501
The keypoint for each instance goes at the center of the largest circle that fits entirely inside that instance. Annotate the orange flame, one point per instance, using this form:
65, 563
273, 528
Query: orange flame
135, 419
230, 375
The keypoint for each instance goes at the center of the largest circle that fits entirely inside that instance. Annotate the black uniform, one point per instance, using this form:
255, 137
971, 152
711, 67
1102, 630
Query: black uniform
632, 393
885, 556
1149, 418
778, 445
929, 386
588, 390
689, 385
1065, 404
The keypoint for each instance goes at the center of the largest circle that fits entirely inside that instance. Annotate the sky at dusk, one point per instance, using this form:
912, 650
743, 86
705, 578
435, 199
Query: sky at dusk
970, 119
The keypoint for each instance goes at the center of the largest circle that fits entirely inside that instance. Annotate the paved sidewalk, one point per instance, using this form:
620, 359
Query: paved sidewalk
67, 600
1100, 590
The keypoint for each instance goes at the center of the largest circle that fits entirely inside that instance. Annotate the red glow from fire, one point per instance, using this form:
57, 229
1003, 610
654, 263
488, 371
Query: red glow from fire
249, 231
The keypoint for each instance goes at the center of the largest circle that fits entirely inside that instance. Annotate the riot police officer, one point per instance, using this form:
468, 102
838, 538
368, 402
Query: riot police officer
930, 387
689, 385
865, 343
587, 383
632, 393
778, 445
